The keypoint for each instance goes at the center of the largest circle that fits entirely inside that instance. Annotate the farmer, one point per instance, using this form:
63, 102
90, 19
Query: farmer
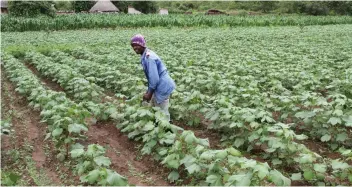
160, 84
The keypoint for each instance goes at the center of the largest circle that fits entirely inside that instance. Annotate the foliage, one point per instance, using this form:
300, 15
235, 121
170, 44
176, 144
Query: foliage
31, 8
295, 7
92, 166
66, 123
81, 6
145, 7
5, 127
64, 5
9, 178
90, 21
263, 98
122, 5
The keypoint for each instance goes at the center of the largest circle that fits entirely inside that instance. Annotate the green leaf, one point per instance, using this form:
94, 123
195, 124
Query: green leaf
215, 116
190, 138
276, 161
204, 142
234, 152
338, 112
115, 179
149, 126
334, 120
77, 153
325, 138
296, 176
102, 161
321, 168
207, 155
301, 137
341, 137
222, 154
245, 181
76, 128
336, 164
173, 164
239, 142
304, 115
77, 146
306, 159
14, 177
262, 171
279, 179
193, 168
348, 120
214, 180
173, 176
114, 115
188, 160
253, 137
92, 176
57, 132
309, 175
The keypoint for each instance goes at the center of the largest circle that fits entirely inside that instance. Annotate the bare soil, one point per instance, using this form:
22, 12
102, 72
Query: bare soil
28, 133
50, 84
125, 156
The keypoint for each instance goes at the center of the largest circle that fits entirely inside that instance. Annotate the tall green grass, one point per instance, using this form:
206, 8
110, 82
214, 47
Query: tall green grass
90, 21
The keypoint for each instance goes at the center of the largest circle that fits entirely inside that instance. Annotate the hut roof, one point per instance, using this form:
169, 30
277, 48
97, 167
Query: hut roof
104, 6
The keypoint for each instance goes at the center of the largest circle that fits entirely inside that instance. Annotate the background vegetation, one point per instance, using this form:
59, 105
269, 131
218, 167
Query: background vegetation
33, 8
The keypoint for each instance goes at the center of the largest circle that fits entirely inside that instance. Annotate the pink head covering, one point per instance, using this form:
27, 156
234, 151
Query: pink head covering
138, 39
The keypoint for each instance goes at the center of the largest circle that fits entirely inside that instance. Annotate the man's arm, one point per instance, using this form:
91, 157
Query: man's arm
153, 81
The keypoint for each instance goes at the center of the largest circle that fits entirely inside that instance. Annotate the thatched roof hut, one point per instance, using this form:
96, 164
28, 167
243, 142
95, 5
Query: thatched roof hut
104, 6
4, 5
132, 10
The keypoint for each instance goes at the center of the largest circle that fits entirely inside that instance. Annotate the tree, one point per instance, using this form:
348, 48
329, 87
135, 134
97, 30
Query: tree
145, 6
63, 5
80, 6
340, 7
31, 8
267, 6
142, 6
122, 5
316, 8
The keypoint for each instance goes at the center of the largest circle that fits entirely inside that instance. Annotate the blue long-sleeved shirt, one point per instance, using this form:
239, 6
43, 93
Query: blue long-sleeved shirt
158, 78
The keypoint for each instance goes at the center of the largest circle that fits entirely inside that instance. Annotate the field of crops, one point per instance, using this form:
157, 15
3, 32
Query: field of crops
91, 21
253, 105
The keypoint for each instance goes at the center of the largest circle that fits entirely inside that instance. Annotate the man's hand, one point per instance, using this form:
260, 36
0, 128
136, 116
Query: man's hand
147, 96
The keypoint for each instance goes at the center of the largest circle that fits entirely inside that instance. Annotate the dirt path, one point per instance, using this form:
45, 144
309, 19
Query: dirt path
50, 84
27, 138
125, 156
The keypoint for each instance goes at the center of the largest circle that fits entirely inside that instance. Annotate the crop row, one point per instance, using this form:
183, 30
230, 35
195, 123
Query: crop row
66, 125
275, 138
263, 87
256, 102
176, 147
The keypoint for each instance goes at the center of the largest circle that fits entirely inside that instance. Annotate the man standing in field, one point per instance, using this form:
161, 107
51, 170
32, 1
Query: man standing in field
160, 84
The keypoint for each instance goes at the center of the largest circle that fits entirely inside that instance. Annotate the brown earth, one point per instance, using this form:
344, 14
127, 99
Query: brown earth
28, 132
50, 84
125, 156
